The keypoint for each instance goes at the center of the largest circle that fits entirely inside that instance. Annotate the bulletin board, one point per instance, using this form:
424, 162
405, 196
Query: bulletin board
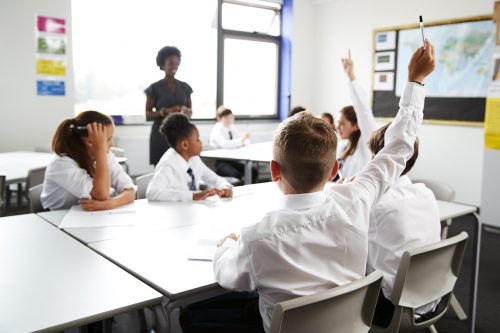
456, 91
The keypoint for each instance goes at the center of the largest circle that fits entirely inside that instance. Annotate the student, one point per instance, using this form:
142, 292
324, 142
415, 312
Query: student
355, 126
406, 216
296, 110
317, 239
226, 135
85, 169
328, 118
180, 170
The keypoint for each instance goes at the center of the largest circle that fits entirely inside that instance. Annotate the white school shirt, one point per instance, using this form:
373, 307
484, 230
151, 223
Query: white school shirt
367, 125
171, 180
220, 136
65, 182
316, 241
405, 217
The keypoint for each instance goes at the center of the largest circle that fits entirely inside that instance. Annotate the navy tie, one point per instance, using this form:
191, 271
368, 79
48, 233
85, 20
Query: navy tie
192, 184
230, 135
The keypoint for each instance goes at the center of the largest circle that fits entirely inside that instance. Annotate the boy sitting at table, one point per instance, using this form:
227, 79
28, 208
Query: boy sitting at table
317, 239
178, 175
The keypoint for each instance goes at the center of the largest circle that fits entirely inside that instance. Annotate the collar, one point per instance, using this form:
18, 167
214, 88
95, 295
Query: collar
178, 159
303, 200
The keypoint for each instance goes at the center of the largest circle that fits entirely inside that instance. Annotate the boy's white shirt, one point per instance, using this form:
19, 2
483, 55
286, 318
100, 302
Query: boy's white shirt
317, 241
220, 136
65, 182
171, 179
367, 125
405, 217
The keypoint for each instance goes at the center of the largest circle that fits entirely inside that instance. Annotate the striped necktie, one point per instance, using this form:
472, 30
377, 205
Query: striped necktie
192, 184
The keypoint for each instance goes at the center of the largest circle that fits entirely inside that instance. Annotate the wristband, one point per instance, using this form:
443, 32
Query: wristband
420, 83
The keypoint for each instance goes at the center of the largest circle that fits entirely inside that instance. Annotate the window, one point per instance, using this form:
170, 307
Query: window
248, 64
115, 43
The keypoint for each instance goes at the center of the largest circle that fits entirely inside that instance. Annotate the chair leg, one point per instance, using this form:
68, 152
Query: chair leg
432, 329
457, 308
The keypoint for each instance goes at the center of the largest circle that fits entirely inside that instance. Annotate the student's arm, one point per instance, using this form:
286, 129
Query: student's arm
232, 265
167, 185
366, 121
125, 197
101, 180
400, 137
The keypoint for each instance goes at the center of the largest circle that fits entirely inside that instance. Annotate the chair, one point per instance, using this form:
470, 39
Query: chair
345, 309
35, 177
142, 183
425, 274
444, 192
34, 198
120, 152
2, 195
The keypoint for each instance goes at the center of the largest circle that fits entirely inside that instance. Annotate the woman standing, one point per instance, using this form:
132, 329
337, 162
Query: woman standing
165, 97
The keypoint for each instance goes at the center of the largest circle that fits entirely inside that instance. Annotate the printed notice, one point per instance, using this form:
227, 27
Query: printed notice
385, 40
384, 61
383, 81
50, 88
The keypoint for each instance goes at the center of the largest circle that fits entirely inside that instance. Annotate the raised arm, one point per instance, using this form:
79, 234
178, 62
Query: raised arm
359, 97
99, 150
388, 164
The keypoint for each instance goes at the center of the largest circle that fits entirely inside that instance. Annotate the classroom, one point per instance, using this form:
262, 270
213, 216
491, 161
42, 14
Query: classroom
148, 257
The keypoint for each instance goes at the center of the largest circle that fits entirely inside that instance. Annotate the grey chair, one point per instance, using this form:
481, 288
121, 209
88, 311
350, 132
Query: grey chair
425, 274
35, 177
34, 198
2, 195
142, 183
444, 192
345, 309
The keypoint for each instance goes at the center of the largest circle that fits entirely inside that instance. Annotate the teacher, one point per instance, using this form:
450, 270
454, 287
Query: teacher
165, 97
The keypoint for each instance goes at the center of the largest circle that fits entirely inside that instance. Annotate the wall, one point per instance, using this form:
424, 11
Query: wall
453, 154
28, 121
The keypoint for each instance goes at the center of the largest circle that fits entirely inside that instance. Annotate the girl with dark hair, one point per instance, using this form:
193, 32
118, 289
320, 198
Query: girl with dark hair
355, 126
164, 97
85, 169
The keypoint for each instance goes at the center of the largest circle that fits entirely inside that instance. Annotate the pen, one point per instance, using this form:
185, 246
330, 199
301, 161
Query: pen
422, 30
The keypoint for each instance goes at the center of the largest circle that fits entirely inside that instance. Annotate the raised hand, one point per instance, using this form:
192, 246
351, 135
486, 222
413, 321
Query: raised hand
422, 63
349, 66
98, 137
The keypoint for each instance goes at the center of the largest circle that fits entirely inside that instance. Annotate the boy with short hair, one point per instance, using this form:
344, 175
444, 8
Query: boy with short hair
406, 216
179, 173
318, 239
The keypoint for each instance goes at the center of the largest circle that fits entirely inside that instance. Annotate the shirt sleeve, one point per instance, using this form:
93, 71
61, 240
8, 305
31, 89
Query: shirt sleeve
68, 175
120, 180
149, 90
386, 167
166, 187
210, 178
364, 114
232, 266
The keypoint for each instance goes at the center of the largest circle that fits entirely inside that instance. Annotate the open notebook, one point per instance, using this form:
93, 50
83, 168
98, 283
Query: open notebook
79, 218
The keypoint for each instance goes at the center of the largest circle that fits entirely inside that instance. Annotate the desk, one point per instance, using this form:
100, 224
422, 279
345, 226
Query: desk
450, 210
50, 282
15, 165
256, 152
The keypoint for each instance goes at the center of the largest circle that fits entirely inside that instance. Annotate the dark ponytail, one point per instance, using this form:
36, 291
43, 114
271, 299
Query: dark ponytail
350, 115
68, 138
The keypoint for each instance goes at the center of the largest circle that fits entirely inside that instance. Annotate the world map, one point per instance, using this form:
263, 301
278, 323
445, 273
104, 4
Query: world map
463, 58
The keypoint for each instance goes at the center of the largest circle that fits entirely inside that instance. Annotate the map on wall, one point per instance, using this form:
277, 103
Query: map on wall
463, 58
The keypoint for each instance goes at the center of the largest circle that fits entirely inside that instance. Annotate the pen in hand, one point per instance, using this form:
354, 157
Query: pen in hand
422, 30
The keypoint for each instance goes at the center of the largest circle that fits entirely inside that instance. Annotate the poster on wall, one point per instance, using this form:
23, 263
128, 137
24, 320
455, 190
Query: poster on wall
50, 56
384, 61
492, 115
383, 81
385, 40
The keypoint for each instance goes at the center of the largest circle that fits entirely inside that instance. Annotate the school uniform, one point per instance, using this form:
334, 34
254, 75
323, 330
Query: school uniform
405, 217
366, 122
65, 182
175, 179
229, 138
316, 241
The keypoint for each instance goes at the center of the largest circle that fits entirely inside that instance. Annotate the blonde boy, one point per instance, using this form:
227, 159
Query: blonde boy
317, 238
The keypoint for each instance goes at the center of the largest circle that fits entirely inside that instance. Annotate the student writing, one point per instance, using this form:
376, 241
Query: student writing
85, 169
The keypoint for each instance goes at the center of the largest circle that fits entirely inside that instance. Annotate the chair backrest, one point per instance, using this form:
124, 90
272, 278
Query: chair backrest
2, 193
442, 191
428, 272
142, 184
34, 197
345, 309
35, 177
118, 152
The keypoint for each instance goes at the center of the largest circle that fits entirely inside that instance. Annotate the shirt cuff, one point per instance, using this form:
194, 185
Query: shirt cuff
414, 94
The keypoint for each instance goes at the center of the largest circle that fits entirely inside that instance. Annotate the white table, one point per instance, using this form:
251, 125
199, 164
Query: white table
256, 152
51, 282
15, 165
451, 210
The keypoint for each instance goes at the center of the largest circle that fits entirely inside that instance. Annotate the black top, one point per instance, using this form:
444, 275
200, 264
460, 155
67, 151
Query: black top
164, 97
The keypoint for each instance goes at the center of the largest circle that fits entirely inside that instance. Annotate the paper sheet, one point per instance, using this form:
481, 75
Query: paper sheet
78, 218
204, 250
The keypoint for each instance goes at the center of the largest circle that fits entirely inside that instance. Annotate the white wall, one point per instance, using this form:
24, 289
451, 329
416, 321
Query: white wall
453, 154
27, 120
